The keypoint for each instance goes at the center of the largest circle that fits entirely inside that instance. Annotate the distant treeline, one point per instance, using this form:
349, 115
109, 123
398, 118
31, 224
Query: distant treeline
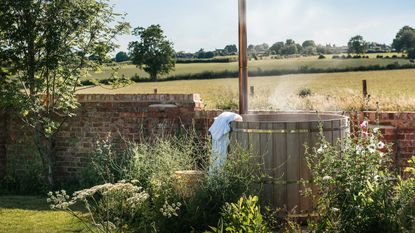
261, 72
212, 60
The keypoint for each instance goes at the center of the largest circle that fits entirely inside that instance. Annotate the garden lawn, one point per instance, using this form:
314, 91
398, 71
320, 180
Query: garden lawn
32, 214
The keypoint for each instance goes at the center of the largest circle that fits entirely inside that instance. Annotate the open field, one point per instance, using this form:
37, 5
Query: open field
32, 214
394, 90
266, 64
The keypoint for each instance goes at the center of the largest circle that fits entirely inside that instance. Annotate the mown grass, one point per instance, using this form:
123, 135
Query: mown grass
32, 214
394, 90
266, 64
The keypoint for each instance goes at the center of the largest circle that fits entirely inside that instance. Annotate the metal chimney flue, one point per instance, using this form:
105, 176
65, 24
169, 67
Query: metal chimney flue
243, 60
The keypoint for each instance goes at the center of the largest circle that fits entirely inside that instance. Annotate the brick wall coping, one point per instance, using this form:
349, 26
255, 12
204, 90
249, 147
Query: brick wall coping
158, 98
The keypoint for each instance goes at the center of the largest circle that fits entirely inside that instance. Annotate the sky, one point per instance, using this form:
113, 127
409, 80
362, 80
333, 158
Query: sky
212, 24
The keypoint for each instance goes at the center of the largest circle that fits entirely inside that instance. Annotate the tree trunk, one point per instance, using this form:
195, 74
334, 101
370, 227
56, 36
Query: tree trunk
153, 77
45, 147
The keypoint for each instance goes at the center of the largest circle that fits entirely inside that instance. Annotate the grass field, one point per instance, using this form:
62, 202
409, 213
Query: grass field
394, 90
32, 215
265, 64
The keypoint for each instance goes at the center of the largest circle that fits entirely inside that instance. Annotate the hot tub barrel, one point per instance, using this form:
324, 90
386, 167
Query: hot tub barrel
278, 139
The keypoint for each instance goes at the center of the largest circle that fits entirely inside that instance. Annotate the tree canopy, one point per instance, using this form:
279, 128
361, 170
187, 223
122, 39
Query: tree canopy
121, 56
44, 49
357, 45
231, 49
405, 39
153, 52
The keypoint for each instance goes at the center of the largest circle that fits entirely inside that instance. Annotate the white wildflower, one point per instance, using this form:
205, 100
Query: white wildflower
359, 149
326, 178
371, 148
381, 145
170, 210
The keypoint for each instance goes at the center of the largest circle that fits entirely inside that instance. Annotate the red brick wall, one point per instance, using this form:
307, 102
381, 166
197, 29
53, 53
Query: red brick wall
132, 117
124, 117
397, 128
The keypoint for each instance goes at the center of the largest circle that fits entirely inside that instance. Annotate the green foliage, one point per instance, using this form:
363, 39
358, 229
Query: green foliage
24, 173
110, 207
304, 92
242, 216
231, 49
46, 45
405, 39
308, 43
278, 221
152, 165
358, 192
411, 53
202, 54
357, 45
121, 57
213, 60
152, 52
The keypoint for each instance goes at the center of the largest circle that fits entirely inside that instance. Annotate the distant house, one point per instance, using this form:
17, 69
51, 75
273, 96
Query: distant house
374, 47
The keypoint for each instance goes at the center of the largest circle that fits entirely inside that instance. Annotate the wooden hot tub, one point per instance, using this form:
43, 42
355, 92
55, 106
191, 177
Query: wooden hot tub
279, 139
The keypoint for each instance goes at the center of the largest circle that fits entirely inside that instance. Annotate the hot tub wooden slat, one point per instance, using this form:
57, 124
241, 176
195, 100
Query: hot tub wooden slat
292, 165
279, 140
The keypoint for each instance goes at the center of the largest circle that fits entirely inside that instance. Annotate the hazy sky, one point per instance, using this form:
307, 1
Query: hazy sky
210, 24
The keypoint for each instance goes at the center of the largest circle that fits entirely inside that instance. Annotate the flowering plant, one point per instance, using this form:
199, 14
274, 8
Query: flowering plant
111, 207
357, 188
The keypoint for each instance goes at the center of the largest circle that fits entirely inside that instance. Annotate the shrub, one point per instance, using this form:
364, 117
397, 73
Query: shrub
242, 216
304, 92
336, 57
358, 191
321, 56
24, 172
152, 166
394, 56
411, 53
111, 207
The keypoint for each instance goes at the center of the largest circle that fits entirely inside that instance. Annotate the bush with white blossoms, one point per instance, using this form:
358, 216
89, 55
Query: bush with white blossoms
170, 210
111, 207
358, 189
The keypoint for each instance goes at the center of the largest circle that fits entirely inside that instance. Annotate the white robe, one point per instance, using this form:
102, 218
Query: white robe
220, 138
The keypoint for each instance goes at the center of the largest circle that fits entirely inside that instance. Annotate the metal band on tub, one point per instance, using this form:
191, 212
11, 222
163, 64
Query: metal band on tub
286, 131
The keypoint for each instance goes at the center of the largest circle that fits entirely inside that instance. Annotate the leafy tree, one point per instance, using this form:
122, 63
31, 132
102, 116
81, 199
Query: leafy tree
45, 45
201, 54
405, 39
261, 48
309, 50
251, 49
308, 43
289, 42
121, 56
289, 49
357, 45
231, 49
277, 47
152, 52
